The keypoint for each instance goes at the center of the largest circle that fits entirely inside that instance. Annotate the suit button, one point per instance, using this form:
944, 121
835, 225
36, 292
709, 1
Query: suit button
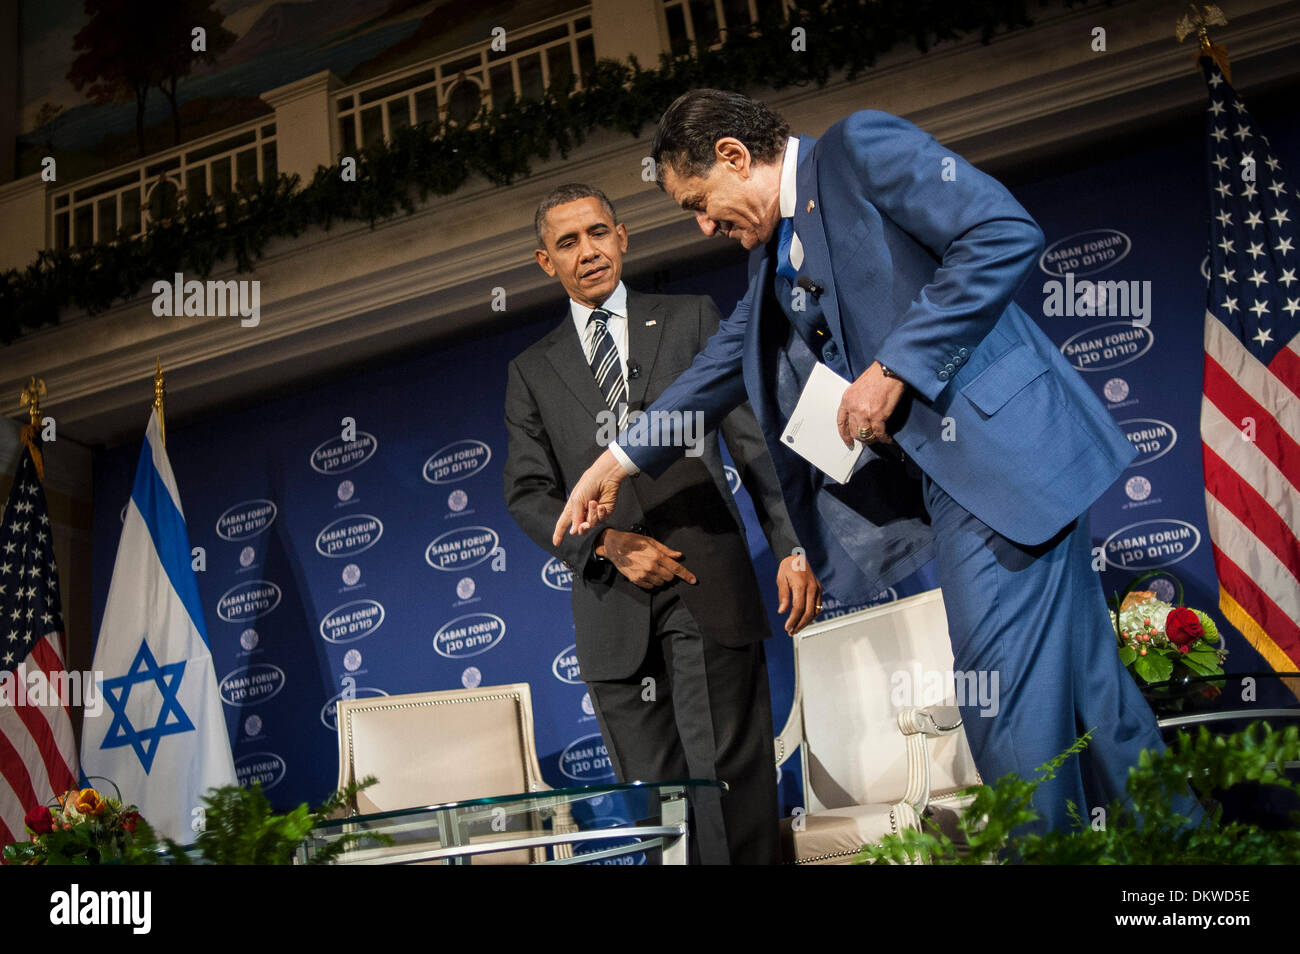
963, 353
640, 528
566, 564
943, 375
830, 352
957, 360
950, 368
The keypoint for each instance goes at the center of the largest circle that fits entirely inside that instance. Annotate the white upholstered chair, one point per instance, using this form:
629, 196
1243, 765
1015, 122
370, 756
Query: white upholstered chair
876, 723
431, 747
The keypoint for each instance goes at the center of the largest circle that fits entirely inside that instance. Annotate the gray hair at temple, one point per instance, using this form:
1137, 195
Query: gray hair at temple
697, 120
562, 194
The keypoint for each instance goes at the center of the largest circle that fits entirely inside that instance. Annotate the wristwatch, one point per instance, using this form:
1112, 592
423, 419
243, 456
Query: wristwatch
890, 374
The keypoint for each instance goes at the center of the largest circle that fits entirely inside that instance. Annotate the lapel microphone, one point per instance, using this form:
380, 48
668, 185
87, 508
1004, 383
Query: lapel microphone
633, 369
810, 286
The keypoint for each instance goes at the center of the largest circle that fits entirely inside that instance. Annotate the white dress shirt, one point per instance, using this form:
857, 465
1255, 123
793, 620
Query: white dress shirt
789, 189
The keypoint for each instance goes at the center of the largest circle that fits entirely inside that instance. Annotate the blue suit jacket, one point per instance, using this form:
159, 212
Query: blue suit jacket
919, 254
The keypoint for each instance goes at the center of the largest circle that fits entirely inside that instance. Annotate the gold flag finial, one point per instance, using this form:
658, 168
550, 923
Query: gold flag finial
1199, 22
159, 398
30, 398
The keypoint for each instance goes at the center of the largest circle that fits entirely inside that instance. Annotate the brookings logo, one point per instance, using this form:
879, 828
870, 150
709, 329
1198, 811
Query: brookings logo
1085, 253
565, 666
265, 767
329, 713
1151, 544
456, 461
1100, 349
248, 601
251, 685
352, 621
337, 456
1151, 437
586, 760
469, 635
461, 548
246, 519
348, 536
557, 576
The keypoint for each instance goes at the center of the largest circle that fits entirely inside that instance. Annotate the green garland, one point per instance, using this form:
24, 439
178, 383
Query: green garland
426, 160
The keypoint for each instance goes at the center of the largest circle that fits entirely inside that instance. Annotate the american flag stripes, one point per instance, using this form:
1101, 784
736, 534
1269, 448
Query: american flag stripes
1250, 408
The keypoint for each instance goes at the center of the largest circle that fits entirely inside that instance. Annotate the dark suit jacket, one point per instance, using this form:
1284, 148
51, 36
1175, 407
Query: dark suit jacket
551, 411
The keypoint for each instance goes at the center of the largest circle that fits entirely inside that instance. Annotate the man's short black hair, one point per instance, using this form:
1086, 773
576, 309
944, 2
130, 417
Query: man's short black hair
562, 194
697, 120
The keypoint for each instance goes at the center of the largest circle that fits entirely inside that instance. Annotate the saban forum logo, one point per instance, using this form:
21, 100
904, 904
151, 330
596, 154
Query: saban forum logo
251, 685
337, 456
557, 576
352, 621
585, 759
348, 536
470, 635
248, 601
461, 548
457, 461
565, 666
265, 767
1153, 438
1085, 253
246, 519
1099, 349
329, 713
1151, 544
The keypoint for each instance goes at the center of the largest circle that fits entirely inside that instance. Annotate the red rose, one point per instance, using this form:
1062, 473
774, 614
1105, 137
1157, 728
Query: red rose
39, 820
1183, 627
129, 820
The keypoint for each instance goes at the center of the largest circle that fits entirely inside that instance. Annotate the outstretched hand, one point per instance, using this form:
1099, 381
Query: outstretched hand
593, 497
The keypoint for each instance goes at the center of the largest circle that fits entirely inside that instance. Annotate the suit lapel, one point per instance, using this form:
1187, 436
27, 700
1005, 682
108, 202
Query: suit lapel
645, 323
812, 234
570, 364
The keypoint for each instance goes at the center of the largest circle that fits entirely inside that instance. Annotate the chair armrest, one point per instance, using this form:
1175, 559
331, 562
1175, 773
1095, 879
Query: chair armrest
791, 736
917, 724
931, 720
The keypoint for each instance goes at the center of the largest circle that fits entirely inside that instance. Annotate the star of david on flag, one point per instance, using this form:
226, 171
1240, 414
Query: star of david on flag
161, 736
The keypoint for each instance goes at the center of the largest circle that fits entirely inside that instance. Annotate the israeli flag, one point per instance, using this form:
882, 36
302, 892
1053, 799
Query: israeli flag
161, 733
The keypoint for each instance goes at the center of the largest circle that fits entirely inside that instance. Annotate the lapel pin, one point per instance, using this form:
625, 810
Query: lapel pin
650, 321
811, 205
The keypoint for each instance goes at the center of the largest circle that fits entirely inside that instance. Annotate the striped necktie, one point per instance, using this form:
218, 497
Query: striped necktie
605, 365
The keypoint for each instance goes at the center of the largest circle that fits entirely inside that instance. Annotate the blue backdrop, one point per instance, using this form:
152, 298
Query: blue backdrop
388, 563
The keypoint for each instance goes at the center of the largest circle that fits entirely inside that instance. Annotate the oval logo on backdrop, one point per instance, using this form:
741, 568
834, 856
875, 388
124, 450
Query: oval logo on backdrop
329, 713
248, 601
246, 519
1107, 345
352, 621
265, 767
347, 536
460, 548
336, 456
586, 760
251, 685
469, 635
565, 666
1151, 544
1085, 253
1151, 437
456, 461
557, 576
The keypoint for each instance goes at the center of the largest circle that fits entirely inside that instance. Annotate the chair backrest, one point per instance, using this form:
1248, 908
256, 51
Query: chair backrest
429, 747
855, 673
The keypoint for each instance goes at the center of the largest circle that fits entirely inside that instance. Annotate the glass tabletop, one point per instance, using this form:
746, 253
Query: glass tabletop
1229, 697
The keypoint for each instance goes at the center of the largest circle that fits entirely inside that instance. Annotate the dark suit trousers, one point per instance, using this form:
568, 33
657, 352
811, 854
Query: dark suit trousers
707, 714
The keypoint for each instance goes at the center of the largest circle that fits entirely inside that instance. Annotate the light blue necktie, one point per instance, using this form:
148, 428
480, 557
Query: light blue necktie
784, 267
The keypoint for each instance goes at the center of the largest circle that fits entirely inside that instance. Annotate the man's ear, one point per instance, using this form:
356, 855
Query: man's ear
733, 153
544, 260
621, 231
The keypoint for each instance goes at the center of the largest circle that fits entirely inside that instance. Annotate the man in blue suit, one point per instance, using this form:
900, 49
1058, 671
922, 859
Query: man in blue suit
893, 261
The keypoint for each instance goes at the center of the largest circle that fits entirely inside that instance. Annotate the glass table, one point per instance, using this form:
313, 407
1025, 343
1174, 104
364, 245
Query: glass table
618, 823
1225, 702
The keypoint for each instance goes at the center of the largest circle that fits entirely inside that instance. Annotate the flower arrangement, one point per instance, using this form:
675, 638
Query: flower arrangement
84, 827
1159, 641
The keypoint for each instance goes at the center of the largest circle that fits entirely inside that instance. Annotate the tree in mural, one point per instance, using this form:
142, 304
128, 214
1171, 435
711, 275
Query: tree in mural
130, 46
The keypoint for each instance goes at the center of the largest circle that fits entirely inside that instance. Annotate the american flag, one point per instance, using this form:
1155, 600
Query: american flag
38, 756
1250, 410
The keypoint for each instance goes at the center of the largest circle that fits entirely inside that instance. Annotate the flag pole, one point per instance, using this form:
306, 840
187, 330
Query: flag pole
159, 398
30, 398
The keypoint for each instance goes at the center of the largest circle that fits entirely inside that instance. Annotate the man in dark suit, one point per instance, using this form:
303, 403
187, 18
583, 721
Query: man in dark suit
892, 261
668, 615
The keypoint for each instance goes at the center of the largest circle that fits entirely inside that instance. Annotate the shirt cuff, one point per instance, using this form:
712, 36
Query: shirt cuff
621, 456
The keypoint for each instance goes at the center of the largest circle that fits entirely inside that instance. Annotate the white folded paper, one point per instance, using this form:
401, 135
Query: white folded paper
813, 432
